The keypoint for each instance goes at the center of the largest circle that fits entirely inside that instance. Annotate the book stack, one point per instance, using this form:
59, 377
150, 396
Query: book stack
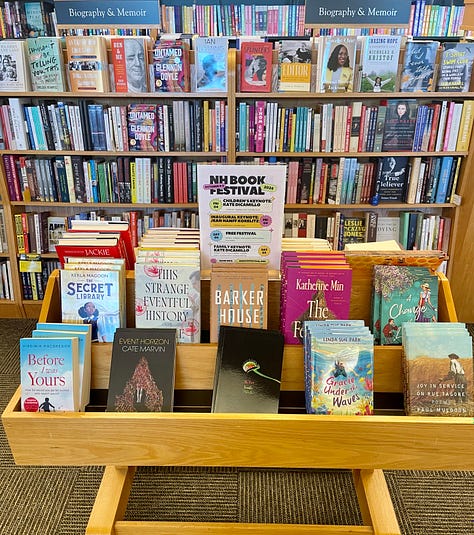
168, 282
239, 296
314, 286
339, 363
402, 294
438, 366
55, 368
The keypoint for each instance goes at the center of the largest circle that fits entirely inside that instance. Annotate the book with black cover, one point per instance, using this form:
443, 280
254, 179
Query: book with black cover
248, 370
142, 370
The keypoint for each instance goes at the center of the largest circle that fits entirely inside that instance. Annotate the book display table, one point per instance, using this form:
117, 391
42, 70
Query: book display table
122, 441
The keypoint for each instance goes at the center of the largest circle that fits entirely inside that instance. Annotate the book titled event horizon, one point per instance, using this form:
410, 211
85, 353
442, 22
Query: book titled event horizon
142, 370
248, 370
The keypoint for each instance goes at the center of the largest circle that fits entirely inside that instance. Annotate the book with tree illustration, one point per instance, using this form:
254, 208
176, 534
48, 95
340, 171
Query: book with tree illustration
142, 370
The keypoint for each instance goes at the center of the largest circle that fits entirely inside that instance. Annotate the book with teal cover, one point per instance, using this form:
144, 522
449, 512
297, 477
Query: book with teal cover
45, 60
49, 374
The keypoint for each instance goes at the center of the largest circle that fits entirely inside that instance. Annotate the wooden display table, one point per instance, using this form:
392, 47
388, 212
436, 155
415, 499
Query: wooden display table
123, 441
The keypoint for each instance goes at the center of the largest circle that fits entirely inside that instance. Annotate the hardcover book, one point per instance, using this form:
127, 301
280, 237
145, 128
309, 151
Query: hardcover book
455, 67
248, 370
294, 65
400, 124
419, 66
336, 60
142, 127
256, 66
49, 374
211, 63
14, 70
37, 18
171, 66
379, 63
130, 65
87, 63
142, 370
45, 58
392, 180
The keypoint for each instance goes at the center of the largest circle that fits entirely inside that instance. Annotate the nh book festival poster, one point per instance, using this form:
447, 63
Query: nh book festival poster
241, 213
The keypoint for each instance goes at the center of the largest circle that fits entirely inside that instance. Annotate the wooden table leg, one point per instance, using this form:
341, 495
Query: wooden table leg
111, 500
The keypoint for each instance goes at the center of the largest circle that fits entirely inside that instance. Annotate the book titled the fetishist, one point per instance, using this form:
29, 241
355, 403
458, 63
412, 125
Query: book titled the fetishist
419, 66
455, 67
45, 58
248, 370
49, 374
171, 68
294, 65
87, 63
256, 66
379, 63
211, 63
142, 370
142, 127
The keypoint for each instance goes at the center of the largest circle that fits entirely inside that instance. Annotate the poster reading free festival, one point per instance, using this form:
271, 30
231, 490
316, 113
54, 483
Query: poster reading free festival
241, 213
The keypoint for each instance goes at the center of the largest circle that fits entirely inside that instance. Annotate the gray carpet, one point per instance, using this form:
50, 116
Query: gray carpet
58, 501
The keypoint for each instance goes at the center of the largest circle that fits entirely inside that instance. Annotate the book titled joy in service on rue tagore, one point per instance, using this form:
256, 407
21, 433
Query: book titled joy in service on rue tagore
142, 370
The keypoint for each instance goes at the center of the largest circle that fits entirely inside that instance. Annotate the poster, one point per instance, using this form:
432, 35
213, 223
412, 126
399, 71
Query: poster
241, 213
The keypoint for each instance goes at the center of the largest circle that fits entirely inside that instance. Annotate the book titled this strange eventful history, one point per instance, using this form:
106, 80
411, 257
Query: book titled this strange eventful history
142, 370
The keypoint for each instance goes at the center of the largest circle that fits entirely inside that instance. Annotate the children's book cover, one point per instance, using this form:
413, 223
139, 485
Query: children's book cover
49, 374
379, 63
211, 59
171, 66
45, 58
142, 127
248, 370
130, 64
455, 67
337, 60
256, 66
168, 296
294, 65
142, 370
400, 123
419, 66
439, 369
87, 63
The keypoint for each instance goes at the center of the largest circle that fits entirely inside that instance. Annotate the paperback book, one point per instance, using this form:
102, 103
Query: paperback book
400, 124
256, 66
248, 370
294, 65
211, 59
455, 67
46, 63
418, 67
142, 370
142, 127
379, 63
171, 66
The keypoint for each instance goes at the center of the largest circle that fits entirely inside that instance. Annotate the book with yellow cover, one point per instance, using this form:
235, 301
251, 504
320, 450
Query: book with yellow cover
87, 63
294, 65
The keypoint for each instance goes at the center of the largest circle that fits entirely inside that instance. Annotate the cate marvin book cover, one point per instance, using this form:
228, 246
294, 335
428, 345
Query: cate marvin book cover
142, 370
248, 370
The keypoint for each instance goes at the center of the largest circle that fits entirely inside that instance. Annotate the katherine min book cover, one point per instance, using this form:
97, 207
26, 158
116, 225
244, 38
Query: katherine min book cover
455, 67
171, 66
256, 66
142, 370
46, 64
418, 66
211, 61
379, 63
248, 370
49, 374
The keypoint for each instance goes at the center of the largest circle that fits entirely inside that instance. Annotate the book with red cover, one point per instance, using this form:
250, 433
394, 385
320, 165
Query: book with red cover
97, 247
256, 66
129, 62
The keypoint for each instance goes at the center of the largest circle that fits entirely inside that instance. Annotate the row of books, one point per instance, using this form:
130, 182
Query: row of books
435, 18
391, 125
34, 274
26, 19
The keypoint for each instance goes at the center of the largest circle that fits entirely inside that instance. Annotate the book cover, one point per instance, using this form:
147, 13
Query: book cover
14, 71
353, 230
211, 63
392, 180
379, 63
388, 228
400, 124
455, 67
142, 370
130, 64
37, 18
57, 225
87, 63
97, 247
49, 374
46, 64
142, 127
294, 65
337, 63
419, 66
94, 297
171, 66
248, 370
256, 66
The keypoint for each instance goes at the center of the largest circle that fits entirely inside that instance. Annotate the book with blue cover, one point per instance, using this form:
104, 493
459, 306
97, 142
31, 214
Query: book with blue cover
419, 66
211, 63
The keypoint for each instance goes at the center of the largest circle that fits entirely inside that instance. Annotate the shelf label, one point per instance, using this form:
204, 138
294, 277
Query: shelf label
126, 13
366, 13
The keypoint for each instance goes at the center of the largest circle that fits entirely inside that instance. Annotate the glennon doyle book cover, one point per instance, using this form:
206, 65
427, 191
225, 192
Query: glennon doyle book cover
142, 370
171, 66
248, 370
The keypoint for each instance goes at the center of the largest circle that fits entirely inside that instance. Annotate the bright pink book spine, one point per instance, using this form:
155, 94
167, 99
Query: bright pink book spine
260, 126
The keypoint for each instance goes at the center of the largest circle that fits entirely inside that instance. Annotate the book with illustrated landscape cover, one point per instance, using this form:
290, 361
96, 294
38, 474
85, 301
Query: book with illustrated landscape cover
142, 370
248, 370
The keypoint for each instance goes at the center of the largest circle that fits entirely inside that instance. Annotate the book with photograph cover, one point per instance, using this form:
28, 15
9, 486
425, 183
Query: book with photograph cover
87, 63
256, 66
171, 67
142, 127
46, 64
14, 69
129, 63
392, 180
455, 67
336, 60
142, 370
294, 65
248, 370
379, 63
419, 66
400, 123
211, 60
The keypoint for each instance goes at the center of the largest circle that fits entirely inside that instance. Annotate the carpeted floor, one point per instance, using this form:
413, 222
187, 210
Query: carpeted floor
58, 501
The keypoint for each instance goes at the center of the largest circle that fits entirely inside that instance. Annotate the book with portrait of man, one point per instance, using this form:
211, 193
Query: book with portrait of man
130, 65
256, 66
